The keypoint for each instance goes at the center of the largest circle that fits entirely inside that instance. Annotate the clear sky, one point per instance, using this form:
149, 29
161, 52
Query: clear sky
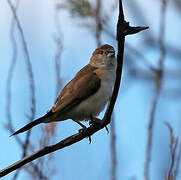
82, 160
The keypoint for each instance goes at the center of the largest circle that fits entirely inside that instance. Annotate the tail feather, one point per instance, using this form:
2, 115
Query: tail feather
28, 126
33, 123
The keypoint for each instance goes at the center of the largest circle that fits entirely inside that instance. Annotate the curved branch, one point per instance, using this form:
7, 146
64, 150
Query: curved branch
123, 29
28, 62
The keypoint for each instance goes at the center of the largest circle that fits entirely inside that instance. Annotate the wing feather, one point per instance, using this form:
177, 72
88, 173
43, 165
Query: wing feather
83, 85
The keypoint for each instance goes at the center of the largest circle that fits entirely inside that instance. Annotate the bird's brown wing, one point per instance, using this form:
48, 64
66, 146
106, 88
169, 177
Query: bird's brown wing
81, 87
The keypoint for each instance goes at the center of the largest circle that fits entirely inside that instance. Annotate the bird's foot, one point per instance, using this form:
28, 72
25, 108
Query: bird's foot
97, 122
94, 121
84, 128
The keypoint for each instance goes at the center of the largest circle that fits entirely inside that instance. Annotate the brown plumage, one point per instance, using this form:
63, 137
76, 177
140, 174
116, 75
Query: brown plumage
73, 93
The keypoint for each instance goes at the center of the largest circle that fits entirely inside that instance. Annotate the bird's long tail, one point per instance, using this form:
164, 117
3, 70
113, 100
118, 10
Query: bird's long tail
28, 126
33, 123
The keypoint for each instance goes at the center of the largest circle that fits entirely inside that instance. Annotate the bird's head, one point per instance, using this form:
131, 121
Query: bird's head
103, 57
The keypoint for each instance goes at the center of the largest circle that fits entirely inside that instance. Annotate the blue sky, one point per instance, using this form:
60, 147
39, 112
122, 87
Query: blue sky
83, 161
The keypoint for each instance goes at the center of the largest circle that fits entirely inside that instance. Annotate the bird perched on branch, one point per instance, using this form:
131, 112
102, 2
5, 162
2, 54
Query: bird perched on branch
86, 95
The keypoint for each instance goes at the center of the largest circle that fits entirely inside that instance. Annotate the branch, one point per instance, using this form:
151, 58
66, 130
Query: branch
177, 165
113, 150
30, 73
122, 27
27, 57
98, 22
150, 129
158, 86
16, 21
59, 48
173, 148
9, 125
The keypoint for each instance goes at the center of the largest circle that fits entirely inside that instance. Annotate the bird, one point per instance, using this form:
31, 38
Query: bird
86, 95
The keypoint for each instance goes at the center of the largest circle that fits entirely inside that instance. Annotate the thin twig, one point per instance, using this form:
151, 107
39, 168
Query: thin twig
28, 62
9, 125
9, 82
98, 22
59, 48
150, 128
113, 150
177, 165
37, 170
57, 63
11, 71
31, 78
158, 86
173, 147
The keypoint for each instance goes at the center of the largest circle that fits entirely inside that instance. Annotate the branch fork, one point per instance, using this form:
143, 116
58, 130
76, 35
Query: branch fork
124, 29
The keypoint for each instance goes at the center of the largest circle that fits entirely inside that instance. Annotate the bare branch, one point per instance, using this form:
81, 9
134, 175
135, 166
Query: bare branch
59, 48
158, 84
98, 22
177, 163
28, 62
9, 125
29, 68
173, 147
11, 70
113, 150
150, 129
122, 27
30, 73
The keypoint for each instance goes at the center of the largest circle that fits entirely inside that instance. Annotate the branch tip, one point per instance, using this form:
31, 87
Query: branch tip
125, 29
134, 30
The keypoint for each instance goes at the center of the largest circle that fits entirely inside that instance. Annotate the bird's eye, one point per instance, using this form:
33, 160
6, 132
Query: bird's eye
101, 52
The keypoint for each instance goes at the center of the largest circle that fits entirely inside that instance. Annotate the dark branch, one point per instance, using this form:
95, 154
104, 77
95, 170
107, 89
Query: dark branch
122, 27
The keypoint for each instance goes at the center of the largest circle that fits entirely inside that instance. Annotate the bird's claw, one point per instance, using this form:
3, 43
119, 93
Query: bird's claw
90, 140
107, 129
94, 121
82, 131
